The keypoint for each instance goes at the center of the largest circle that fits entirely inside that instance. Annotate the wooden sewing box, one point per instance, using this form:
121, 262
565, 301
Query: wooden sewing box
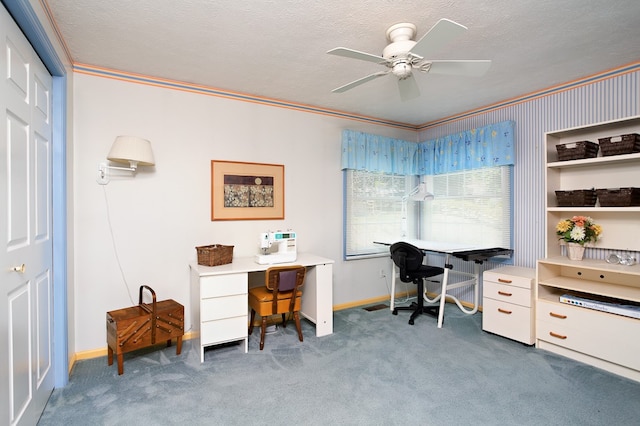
143, 326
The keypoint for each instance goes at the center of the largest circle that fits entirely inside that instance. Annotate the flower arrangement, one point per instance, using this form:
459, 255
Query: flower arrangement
578, 229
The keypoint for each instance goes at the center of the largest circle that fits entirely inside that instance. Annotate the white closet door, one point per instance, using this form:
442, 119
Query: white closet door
26, 300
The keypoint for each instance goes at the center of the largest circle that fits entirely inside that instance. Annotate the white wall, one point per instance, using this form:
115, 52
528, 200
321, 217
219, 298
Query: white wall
159, 216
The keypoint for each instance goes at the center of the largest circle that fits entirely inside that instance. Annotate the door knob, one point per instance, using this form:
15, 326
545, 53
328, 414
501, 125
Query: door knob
20, 268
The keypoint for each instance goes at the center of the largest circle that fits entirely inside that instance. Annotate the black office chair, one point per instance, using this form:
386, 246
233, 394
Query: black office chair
408, 258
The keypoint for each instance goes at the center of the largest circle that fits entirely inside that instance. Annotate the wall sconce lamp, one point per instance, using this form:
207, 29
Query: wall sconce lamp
419, 193
129, 150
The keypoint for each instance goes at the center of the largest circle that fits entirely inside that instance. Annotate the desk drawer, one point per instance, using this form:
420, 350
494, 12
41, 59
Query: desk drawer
224, 330
223, 285
510, 275
596, 322
508, 320
599, 334
506, 293
223, 307
616, 345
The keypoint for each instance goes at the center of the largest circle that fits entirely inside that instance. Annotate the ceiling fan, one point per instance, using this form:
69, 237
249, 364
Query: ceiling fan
403, 54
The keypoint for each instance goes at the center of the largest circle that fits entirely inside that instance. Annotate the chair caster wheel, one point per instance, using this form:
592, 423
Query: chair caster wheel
410, 322
394, 312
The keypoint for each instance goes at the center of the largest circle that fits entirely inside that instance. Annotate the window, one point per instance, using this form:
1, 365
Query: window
471, 207
373, 210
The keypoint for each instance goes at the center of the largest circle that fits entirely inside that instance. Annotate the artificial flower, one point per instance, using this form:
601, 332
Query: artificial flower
578, 229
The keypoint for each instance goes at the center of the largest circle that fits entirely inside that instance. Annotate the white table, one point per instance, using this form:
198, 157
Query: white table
218, 297
449, 249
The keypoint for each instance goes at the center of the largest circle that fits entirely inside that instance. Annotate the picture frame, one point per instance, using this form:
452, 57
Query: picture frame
246, 191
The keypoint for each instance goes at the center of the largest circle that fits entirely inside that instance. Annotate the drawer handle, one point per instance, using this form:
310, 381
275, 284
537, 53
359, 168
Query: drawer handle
502, 280
504, 293
504, 311
556, 335
553, 314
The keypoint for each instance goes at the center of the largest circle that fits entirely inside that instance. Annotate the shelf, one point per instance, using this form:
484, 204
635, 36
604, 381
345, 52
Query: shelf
594, 265
590, 276
598, 161
621, 292
594, 337
595, 209
620, 225
554, 297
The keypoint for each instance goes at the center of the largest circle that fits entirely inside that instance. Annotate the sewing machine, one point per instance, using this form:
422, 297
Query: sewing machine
277, 247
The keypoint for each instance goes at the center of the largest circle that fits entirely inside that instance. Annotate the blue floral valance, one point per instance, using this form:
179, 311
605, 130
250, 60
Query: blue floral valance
487, 146
364, 151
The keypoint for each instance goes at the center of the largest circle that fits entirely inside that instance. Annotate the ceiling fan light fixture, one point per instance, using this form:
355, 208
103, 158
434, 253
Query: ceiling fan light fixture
403, 54
401, 69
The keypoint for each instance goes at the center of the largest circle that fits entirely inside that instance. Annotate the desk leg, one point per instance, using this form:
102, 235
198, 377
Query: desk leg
443, 292
392, 299
317, 298
475, 277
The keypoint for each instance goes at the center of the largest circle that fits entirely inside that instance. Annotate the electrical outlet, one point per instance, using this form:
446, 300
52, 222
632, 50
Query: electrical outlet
103, 174
382, 274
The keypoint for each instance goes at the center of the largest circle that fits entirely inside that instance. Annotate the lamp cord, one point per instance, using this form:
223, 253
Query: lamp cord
115, 248
407, 296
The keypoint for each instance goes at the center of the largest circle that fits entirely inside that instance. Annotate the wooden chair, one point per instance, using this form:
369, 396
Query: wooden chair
281, 294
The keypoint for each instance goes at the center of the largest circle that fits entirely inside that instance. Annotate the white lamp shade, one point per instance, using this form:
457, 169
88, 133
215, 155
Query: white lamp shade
131, 150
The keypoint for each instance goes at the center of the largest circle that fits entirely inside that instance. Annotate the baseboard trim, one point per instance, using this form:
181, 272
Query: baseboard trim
95, 353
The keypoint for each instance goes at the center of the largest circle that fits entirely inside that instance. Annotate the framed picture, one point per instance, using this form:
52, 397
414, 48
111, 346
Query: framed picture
246, 191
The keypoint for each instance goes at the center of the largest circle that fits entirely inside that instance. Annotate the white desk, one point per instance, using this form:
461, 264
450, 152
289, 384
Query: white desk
219, 305
449, 249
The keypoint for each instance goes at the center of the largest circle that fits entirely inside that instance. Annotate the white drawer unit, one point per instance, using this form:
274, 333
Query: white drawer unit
219, 308
507, 303
603, 339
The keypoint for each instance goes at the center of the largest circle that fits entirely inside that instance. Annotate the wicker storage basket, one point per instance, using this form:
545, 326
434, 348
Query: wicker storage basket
625, 144
619, 197
577, 198
214, 255
577, 150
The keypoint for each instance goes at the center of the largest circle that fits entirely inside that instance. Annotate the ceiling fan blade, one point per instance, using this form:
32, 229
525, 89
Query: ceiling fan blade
467, 68
408, 88
441, 34
359, 82
355, 54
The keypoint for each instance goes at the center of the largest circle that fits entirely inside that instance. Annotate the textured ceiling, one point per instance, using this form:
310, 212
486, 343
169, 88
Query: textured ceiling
277, 48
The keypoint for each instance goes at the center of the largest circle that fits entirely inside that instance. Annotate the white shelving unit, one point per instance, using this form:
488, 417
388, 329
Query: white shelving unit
621, 225
594, 337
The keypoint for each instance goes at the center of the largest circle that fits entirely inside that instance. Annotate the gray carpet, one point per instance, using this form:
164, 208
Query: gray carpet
374, 370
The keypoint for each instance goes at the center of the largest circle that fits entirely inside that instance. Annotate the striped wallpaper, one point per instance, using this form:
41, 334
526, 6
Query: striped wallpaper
614, 96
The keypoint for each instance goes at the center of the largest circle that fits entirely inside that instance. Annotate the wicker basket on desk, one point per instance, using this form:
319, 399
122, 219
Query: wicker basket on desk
214, 255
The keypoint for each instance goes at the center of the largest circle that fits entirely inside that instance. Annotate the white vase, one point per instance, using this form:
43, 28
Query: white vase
575, 251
